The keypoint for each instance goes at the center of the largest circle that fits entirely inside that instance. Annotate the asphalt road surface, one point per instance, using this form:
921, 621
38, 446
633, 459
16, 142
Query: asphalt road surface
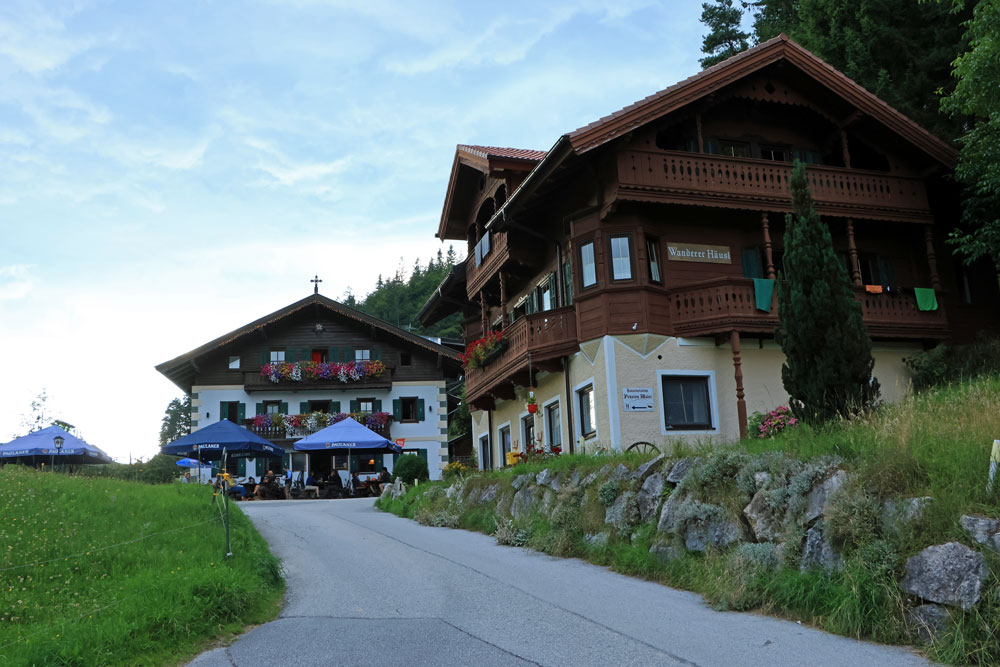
369, 588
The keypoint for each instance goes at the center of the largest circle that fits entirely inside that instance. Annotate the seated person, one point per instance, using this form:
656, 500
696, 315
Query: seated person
356, 487
251, 486
238, 490
334, 487
311, 488
384, 479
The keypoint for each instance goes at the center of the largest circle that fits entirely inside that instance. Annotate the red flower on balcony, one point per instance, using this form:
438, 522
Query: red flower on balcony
477, 351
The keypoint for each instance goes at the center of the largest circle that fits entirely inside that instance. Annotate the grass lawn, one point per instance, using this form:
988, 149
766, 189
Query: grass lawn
109, 572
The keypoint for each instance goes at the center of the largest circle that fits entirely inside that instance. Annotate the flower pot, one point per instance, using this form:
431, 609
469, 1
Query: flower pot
492, 355
532, 408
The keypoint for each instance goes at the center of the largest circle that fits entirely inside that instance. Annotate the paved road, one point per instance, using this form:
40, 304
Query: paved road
368, 588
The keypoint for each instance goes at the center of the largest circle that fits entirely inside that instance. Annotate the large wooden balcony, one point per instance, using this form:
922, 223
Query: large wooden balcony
715, 180
253, 381
721, 305
289, 432
545, 336
476, 277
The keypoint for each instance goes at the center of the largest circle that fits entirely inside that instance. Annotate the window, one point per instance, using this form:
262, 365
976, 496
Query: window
734, 148
553, 425
272, 407
545, 302
485, 452
319, 356
405, 359
686, 404
277, 356
875, 270
621, 262
366, 404
234, 363
585, 398
319, 406
340, 461
752, 266
588, 276
367, 463
229, 410
504, 443
777, 153
653, 257
528, 431
409, 410
362, 355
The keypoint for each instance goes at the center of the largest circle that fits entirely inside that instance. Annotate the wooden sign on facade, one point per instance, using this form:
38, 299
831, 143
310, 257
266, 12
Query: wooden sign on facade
697, 252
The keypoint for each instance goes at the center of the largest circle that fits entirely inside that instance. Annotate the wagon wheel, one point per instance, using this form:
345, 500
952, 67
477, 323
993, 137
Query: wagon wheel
642, 447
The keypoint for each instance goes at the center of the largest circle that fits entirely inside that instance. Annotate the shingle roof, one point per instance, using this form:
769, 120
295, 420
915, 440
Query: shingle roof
496, 151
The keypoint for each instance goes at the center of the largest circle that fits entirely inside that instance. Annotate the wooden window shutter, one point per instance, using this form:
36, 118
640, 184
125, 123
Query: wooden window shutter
305, 354
348, 354
378, 405
223, 412
397, 410
335, 407
290, 355
284, 408
568, 283
331, 355
420, 409
304, 407
376, 354
241, 467
260, 409
241, 413
355, 405
553, 299
265, 357
751, 263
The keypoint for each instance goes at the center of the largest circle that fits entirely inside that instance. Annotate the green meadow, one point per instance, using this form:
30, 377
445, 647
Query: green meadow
110, 572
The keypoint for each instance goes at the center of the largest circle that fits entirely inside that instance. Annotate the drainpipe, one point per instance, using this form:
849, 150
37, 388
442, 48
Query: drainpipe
569, 406
489, 437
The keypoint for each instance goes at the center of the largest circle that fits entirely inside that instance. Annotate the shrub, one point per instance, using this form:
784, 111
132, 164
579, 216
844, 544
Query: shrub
770, 424
608, 493
953, 363
509, 535
409, 468
453, 470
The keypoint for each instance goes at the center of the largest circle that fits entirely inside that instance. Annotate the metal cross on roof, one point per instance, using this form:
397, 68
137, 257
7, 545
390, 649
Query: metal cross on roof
316, 281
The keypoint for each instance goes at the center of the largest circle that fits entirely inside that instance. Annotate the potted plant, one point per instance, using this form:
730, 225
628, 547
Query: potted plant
532, 405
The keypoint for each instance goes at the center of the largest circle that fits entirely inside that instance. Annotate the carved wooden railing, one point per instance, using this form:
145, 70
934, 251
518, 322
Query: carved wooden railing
477, 276
723, 304
254, 381
834, 190
291, 432
546, 335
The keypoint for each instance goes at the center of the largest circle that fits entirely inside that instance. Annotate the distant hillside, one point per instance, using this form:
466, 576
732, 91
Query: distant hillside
398, 299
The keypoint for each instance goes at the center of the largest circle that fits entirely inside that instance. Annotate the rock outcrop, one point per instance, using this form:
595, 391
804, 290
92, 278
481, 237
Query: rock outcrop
951, 574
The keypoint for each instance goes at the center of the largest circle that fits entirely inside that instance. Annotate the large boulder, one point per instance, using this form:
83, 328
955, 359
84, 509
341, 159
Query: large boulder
716, 531
983, 530
523, 501
548, 501
819, 553
522, 480
594, 476
668, 513
927, 621
647, 469
649, 496
543, 478
666, 553
489, 494
767, 524
951, 574
680, 470
619, 473
623, 512
818, 499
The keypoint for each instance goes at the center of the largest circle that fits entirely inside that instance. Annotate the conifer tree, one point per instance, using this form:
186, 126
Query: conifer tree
725, 38
828, 354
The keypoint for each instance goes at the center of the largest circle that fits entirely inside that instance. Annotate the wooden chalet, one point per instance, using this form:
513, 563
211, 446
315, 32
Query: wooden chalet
624, 257
291, 373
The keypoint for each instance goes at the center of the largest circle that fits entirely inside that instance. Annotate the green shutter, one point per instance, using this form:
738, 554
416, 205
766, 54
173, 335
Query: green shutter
241, 467
348, 353
568, 283
352, 462
553, 297
241, 413
331, 354
290, 355
305, 354
420, 409
304, 407
264, 357
284, 408
355, 405
223, 413
335, 407
286, 461
397, 410
260, 409
376, 354
378, 405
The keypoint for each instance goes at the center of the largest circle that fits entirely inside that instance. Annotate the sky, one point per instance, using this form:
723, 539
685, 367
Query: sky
172, 171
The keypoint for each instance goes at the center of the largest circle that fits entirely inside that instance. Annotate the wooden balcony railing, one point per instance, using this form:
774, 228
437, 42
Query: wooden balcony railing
290, 432
764, 185
253, 381
477, 276
546, 335
725, 304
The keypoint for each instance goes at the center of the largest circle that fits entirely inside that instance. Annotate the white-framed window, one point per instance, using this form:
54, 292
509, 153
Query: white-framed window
653, 257
272, 407
621, 259
503, 438
588, 267
485, 453
527, 431
688, 402
277, 356
366, 404
362, 355
585, 409
553, 424
234, 362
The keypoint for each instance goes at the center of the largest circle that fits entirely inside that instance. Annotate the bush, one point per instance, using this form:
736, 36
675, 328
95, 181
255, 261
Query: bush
409, 468
945, 364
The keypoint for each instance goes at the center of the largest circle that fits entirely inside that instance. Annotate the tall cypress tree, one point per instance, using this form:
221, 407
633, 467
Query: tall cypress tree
828, 354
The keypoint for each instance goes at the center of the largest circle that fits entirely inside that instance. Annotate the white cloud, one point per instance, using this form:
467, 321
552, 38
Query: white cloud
15, 281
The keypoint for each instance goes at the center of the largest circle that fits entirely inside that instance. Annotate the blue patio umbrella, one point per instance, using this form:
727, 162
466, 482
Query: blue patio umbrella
209, 443
192, 463
42, 444
346, 434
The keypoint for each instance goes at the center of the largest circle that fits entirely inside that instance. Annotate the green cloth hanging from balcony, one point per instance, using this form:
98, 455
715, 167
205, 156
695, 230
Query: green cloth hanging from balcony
926, 299
763, 289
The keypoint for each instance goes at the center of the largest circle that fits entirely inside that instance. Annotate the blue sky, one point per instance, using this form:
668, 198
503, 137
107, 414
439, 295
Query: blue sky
171, 171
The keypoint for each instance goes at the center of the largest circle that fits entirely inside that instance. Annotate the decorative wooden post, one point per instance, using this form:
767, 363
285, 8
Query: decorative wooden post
701, 140
843, 146
852, 254
932, 258
482, 308
741, 405
503, 302
768, 252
